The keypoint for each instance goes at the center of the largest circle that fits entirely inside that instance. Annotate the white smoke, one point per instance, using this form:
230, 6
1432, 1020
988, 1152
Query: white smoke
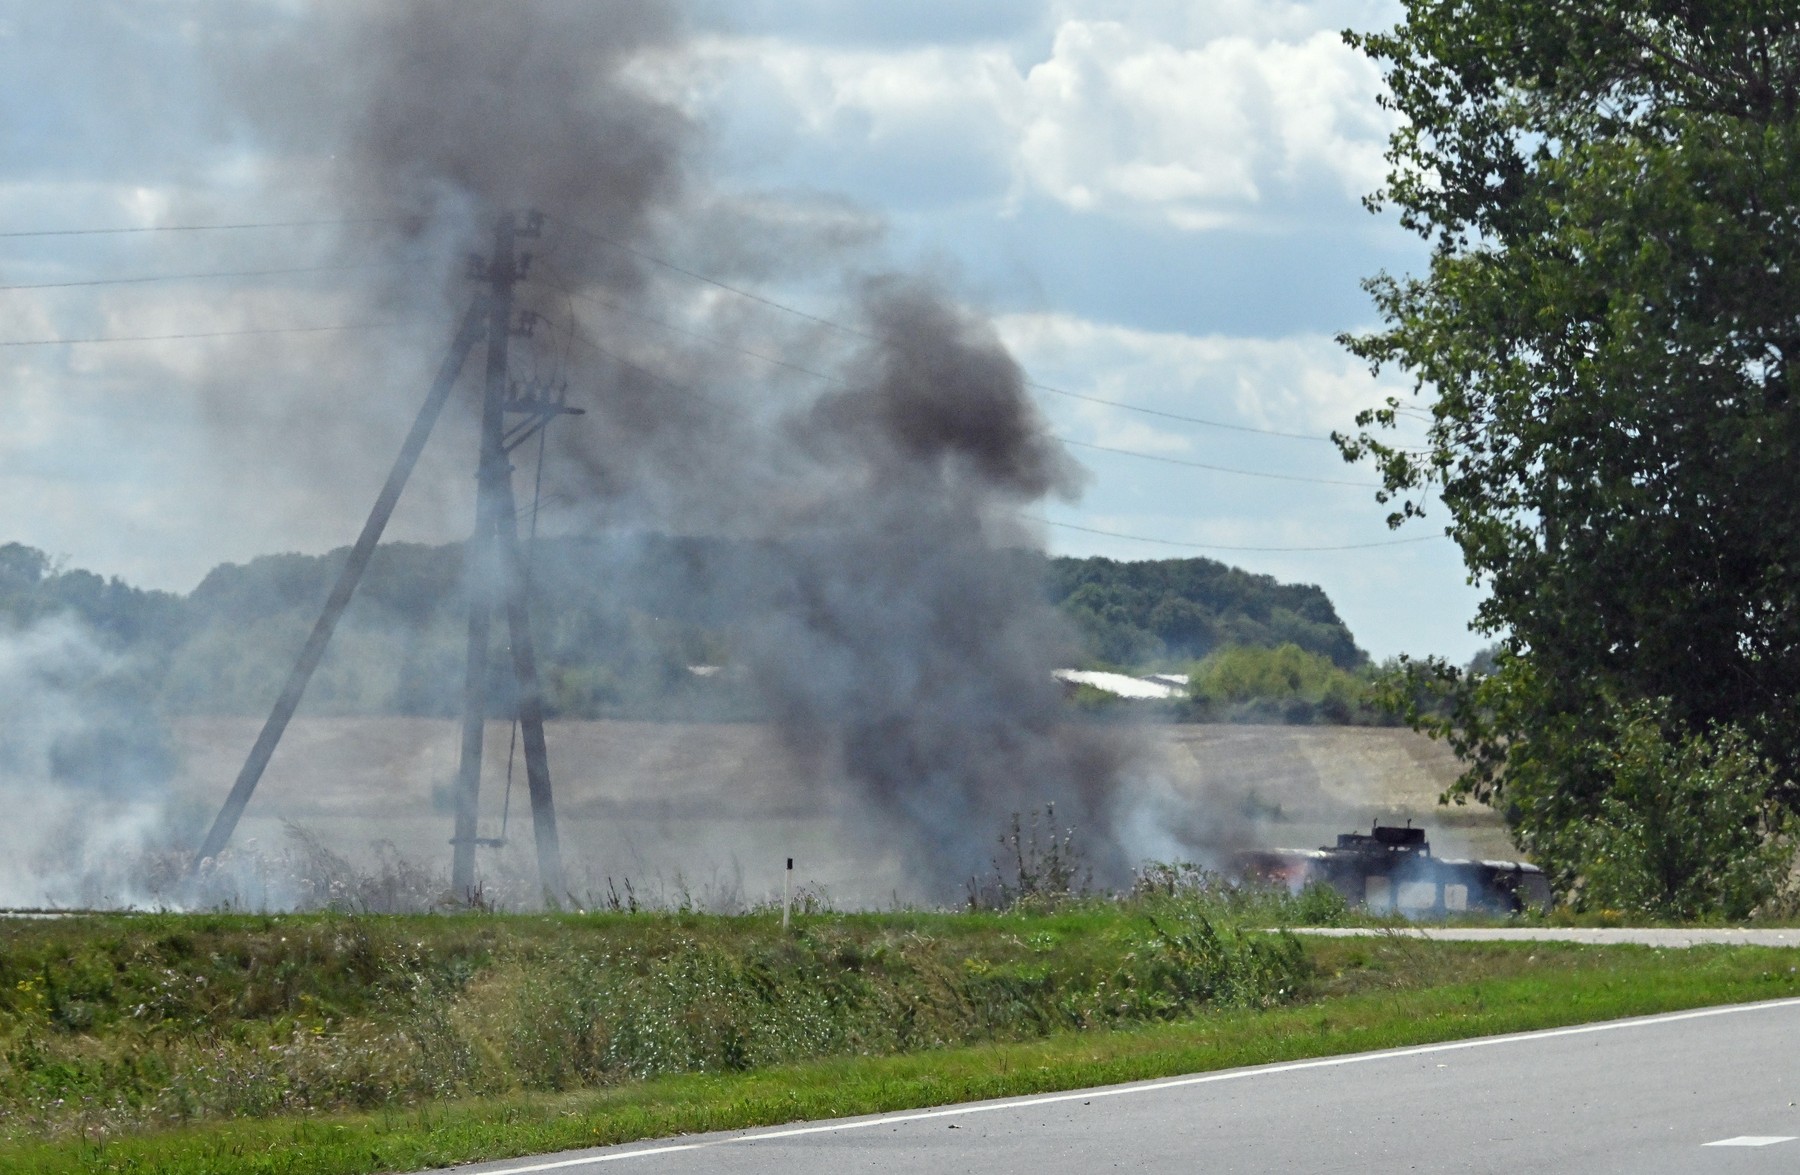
84, 768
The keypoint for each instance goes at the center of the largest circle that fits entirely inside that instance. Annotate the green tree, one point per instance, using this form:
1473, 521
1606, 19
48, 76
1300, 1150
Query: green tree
1167, 609
1605, 339
1285, 683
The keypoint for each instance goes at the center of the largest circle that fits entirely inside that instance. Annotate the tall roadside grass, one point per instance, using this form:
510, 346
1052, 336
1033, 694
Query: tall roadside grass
112, 1024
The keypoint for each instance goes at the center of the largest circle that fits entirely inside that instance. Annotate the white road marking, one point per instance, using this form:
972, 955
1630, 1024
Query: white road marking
1752, 1140
1087, 1095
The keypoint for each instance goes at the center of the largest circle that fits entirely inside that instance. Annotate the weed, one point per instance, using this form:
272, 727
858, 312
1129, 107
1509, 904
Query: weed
1037, 867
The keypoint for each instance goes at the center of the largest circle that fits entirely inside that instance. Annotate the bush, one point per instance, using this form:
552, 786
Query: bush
1037, 866
1687, 828
1285, 684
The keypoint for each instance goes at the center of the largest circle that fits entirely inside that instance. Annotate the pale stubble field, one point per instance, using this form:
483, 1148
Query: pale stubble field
713, 809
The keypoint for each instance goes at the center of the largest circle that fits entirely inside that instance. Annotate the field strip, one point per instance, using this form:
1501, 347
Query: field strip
1136, 1088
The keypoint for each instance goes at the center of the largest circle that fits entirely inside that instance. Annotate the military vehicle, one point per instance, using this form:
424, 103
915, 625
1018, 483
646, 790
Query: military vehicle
1391, 868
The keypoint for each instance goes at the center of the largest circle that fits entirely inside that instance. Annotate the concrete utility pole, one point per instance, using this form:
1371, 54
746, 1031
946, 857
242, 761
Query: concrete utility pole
495, 578
494, 571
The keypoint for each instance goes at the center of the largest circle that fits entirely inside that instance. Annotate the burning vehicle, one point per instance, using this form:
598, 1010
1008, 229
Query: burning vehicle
1391, 868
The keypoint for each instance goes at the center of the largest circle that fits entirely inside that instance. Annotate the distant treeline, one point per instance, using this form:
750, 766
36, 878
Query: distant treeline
1168, 610
619, 622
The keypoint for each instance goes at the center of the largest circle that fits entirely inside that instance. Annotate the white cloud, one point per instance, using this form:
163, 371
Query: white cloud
1304, 383
1196, 126
1188, 21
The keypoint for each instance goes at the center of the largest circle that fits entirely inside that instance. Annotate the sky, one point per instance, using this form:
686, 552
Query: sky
1158, 203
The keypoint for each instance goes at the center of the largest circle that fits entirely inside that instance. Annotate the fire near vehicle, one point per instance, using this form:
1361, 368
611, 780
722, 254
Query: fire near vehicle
1391, 868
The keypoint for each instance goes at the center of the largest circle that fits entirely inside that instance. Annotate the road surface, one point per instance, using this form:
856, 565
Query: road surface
1591, 935
1710, 1090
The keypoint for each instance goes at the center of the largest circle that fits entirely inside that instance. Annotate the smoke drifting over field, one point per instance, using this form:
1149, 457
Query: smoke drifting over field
83, 772
881, 464
900, 651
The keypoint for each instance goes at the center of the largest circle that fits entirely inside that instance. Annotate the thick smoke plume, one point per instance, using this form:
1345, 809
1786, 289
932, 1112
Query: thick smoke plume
901, 640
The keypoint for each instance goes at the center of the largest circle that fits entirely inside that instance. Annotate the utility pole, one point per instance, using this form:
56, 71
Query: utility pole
494, 570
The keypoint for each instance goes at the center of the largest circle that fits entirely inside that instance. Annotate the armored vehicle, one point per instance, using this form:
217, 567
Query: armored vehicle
1391, 868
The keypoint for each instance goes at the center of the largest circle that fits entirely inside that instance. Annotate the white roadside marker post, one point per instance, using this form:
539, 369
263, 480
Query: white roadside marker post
787, 892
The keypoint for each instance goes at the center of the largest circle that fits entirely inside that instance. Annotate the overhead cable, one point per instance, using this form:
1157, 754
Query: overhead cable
581, 336
1328, 481
170, 277
217, 334
1268, 432
664, 263
193, 228
1221, 547
850, 330
608, 304
603, 239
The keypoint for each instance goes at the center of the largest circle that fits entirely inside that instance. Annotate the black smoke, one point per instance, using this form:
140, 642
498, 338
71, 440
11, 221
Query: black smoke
880, 465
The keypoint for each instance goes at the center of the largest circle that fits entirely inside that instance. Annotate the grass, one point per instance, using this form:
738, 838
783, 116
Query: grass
111, 1025
544, 1033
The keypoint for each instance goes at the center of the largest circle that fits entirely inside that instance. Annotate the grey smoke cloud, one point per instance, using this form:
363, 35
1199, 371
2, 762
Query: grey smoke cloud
446, 114
898, 636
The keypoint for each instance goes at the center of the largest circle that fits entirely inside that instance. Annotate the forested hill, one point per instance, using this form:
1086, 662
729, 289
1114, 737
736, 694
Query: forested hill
1160, 609
618, 622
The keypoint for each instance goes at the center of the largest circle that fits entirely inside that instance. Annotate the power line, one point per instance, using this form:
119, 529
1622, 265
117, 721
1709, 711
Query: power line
214, 334
581, 336
849, 330
712, 281
610, 305
615, 307
610, 242
169, 277
1328, 481
1269, 432
1220, 547
194, 228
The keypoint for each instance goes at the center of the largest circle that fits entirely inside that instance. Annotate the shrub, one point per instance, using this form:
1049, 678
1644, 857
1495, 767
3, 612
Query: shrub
1285, 684
1687, 828
1037, 866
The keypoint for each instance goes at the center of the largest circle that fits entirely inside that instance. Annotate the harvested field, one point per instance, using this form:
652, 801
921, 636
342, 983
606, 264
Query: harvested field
711, 810
1309, 783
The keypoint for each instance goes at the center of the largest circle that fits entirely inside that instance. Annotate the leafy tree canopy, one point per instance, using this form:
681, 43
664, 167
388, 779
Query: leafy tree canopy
1606, 337
1177, 609
1286, 684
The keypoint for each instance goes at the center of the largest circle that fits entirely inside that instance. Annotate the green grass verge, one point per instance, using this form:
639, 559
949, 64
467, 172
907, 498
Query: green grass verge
1378, 993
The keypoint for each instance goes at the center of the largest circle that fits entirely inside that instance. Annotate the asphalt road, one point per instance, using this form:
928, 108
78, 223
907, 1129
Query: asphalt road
1702, 1091
1592, 935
